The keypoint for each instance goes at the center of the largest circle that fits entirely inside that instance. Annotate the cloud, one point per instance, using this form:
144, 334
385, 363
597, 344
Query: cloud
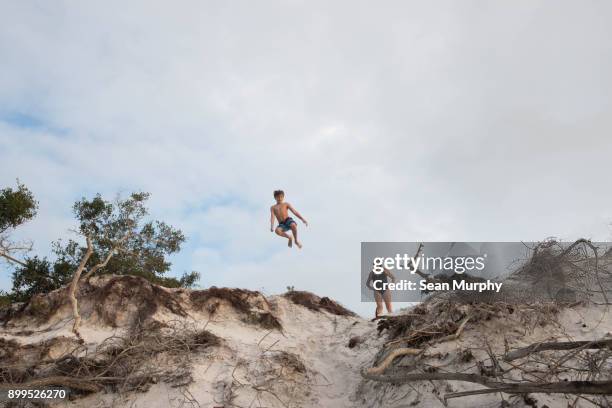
399, 122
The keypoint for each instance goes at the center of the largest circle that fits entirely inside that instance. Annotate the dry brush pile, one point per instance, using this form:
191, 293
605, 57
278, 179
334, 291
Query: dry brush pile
556, 366
146, 354
272, 378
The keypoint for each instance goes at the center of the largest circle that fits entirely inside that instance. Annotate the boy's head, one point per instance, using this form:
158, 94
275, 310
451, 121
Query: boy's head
279, 195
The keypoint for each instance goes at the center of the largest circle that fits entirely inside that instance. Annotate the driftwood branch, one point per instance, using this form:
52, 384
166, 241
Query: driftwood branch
398, 378
392, 356
565, 345
563, 387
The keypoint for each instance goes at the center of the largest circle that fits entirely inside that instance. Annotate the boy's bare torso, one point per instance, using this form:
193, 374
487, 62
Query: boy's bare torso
281, 211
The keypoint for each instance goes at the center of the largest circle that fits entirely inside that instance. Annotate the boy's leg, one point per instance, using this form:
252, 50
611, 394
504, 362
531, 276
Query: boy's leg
294, 230
279, 231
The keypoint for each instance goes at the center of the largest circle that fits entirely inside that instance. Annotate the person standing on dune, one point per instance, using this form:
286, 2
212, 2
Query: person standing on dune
280, 211
377, 283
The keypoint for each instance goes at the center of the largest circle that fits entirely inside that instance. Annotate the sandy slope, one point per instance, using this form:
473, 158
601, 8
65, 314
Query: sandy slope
319, 339
307, 364
577, 323
244, 370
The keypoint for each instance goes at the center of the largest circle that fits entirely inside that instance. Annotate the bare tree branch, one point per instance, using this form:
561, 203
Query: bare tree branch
566, 345
563, 387
111, 253
11, 259
74, 285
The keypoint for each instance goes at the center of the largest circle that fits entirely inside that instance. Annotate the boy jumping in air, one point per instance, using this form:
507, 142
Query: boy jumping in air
280, 210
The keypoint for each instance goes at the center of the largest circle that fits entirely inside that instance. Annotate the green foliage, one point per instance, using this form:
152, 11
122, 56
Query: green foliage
140, 247
5, 299
188, 280
16, 207
143, 245
39, 276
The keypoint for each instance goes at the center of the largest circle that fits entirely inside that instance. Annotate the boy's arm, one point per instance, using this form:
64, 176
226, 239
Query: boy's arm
297, 214
271, 220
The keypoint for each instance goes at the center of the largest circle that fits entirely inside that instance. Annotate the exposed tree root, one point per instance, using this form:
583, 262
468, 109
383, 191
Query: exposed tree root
457, 334
124, 363
62, 381
392, 356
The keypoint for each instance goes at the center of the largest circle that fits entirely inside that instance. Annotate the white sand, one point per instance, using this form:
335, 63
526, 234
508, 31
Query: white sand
245, 372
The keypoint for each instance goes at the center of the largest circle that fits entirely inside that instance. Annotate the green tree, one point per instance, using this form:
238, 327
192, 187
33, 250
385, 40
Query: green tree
121, 240
39, 276
118, 240
6, 299
16, 207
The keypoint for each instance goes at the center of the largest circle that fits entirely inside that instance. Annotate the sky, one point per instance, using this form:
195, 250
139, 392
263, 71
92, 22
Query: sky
394, 121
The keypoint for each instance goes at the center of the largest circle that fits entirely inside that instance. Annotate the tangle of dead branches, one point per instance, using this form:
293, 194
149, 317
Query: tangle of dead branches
275, 378
553, 366
147, 354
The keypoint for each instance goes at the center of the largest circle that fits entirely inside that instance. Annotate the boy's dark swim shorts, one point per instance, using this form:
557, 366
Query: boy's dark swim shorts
286, 225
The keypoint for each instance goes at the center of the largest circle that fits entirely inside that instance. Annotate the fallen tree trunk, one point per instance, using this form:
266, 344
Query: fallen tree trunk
398, 378
563, 345
562, 387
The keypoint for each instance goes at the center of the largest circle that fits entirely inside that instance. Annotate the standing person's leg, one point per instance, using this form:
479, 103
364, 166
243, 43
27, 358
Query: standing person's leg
294, 231
282, 233
387, 298
379, 303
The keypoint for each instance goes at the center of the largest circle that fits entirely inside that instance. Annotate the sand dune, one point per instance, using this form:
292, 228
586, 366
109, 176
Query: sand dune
147, 346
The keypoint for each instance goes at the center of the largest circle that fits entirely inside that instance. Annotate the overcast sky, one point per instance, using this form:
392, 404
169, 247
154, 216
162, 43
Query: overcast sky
394, 121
